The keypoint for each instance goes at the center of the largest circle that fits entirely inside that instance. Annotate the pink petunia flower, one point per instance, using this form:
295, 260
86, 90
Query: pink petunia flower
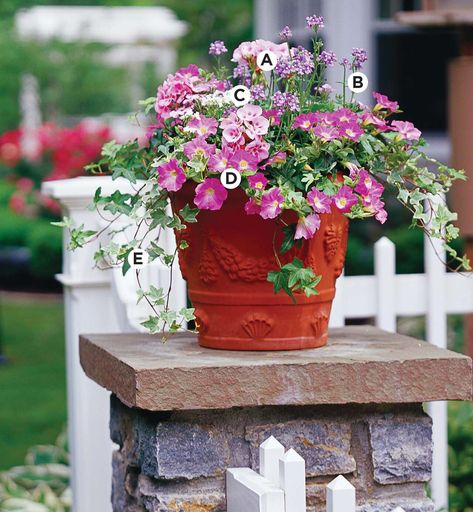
198, 147
305, 121
220, 160
271, 203
351, 131
258, 181
210, 194
345, 115
326, 132
243, 161
384, 103
203, 126
273, 116
320, 202
367, 185
252, 207
307, 226
368, 119
407, 130
344, 199
171, 176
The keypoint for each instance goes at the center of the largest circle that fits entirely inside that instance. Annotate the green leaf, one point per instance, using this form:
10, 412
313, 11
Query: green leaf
289, 241
189, 214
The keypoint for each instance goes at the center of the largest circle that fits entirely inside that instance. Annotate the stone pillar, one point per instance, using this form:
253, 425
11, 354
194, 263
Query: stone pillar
181, 415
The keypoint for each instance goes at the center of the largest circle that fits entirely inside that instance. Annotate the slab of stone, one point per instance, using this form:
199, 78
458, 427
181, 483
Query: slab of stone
359, 365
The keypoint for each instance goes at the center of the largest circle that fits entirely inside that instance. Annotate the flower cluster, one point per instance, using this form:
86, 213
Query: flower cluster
298, 145
61, 153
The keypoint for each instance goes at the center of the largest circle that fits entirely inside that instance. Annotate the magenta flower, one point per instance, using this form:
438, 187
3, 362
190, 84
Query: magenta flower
344, 115
407, 130
203, 126
271, 203
384, 103
210, 194
330, 118
368, 186
307, 226
344, 199
170, 176
198, 147
243, 161
305, 121
326, 132
258, 181
351, 131
371, 120
220, 160
320, 202
252, 207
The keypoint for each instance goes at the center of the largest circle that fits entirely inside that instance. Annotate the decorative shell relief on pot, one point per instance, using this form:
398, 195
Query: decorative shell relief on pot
320, 323
257, 326
237, 266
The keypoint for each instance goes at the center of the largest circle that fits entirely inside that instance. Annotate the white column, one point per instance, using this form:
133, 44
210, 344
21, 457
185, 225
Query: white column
337, 313
436, 326
385, 272
347, 26
88, 309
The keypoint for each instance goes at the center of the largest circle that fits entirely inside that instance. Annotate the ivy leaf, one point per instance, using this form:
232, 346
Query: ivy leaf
189, 214
289, 240
280, 280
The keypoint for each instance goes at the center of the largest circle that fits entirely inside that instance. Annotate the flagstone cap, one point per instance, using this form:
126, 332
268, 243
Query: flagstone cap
360, 365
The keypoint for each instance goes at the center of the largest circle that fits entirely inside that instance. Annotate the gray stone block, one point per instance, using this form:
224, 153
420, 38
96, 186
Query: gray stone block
409, 506
401, 449
324, 444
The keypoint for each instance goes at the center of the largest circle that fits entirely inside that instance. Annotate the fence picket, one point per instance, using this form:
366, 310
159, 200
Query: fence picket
398, 509
270, 451
341, 495
292, 481
385, 272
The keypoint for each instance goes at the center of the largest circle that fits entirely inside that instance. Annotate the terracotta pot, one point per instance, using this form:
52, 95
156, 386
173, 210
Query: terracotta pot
226, 264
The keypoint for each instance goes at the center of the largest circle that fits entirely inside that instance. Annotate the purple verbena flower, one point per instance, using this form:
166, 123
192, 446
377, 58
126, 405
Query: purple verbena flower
327, 58
315, 21
258, 92
359, 57
286, 33
300, 62
242, 70
285, 101
344, 62
217, 48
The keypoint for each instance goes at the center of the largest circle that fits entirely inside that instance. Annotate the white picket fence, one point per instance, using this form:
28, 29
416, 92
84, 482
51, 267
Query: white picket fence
280, 485
384, 296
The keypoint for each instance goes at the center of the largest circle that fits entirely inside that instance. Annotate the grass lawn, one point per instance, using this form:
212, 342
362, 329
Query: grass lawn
32, 383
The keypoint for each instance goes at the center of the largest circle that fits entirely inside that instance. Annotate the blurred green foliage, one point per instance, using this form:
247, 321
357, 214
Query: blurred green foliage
460, 422
73, 79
